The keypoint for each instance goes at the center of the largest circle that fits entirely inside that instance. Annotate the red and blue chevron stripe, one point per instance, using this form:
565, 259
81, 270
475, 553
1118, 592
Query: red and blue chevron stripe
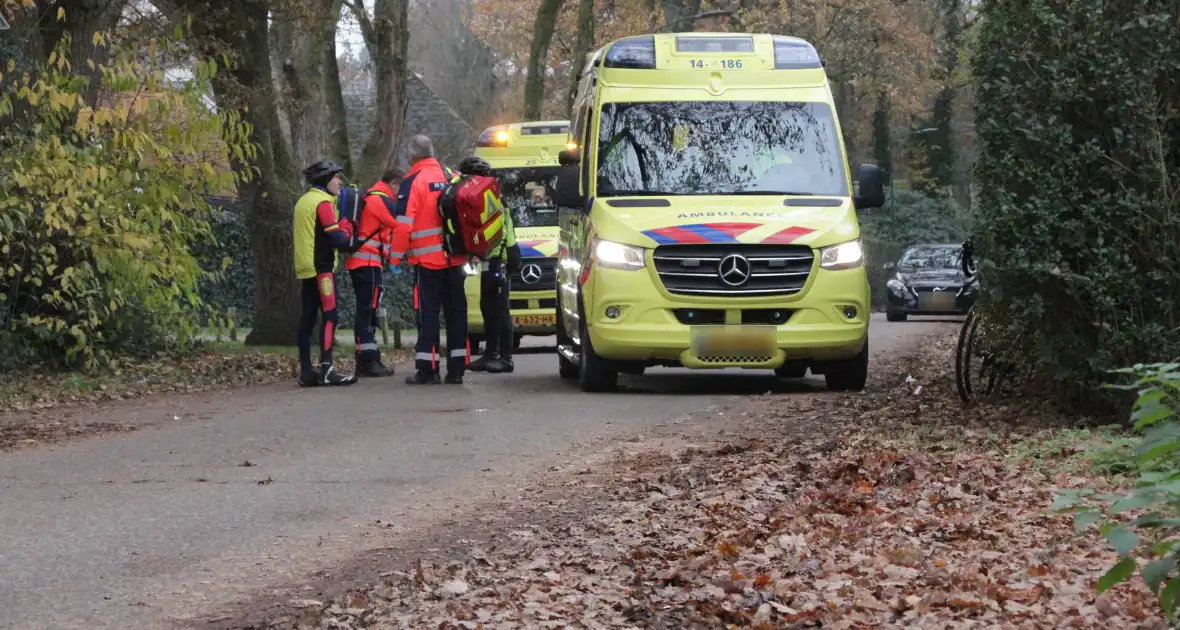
700, 233
713, 233
527, 249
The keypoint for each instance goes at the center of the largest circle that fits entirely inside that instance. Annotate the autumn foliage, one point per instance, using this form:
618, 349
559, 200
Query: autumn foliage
869, 47
101, 204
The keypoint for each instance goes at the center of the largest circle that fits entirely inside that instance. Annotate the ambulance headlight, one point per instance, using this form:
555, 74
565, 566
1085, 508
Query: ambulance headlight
612, 255
471, 268
842, 256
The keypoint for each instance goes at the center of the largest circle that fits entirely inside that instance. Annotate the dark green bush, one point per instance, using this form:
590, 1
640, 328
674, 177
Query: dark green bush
1078, 120
230, 283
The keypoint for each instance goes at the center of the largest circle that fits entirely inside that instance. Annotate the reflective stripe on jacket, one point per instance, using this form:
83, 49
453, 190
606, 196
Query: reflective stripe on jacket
420, 228
377, 224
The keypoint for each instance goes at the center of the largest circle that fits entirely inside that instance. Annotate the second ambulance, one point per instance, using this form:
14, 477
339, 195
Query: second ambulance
524, 156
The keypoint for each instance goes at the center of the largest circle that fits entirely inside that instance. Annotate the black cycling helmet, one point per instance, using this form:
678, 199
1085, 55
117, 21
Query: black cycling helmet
475, 166
320, 173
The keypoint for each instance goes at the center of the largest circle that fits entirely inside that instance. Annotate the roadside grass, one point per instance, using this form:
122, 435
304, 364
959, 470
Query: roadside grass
218, 365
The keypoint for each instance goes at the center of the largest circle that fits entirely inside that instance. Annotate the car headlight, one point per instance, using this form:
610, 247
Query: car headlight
895, 285
471, 268
617, 255
842, 256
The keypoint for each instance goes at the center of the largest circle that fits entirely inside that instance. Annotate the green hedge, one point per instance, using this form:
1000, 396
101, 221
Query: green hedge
1078, 120
230, 283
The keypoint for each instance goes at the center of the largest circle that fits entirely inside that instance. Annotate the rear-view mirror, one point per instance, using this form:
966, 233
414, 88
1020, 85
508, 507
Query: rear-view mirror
569, 157
871, 187
566, 193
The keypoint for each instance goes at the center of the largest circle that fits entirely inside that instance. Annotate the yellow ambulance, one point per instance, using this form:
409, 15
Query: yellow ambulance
524, 156
708, 214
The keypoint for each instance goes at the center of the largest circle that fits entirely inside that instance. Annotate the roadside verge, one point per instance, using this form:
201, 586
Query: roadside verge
889, 508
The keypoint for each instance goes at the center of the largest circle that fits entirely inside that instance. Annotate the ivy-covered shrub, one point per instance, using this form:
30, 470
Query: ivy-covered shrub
228, 263
1078, 121
101, 204
908, 218
229, 282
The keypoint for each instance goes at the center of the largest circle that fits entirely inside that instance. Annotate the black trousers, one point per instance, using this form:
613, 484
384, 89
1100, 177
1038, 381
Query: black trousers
366, 283
494, 287
319, 297
440, 291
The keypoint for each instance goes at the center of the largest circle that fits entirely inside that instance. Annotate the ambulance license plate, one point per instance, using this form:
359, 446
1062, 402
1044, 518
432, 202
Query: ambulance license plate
734, 341
534, 320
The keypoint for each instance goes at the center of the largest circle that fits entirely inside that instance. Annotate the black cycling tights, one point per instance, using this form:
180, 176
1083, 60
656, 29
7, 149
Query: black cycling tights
319, 295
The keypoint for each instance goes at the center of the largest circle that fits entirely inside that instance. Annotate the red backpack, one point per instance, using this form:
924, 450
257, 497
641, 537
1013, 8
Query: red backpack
473, 216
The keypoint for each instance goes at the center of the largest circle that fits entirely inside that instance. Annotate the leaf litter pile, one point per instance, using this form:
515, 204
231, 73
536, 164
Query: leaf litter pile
30, 409
893, 508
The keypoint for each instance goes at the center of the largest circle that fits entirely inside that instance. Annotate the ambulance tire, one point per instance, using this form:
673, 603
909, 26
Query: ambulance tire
851, 375
516, 339
566, 368
595, 374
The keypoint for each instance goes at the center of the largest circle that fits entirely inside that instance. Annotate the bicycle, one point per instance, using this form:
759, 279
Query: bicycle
993, 371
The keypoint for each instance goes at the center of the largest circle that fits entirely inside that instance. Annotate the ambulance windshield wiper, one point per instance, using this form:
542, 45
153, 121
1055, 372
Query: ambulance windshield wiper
638, 193
773, 192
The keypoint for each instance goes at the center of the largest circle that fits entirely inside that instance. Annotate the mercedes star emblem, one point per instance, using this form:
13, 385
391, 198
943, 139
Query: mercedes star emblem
531, 274
734, 270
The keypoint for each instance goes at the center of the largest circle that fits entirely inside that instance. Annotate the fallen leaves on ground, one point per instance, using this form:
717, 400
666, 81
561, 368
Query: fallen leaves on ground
30, 408
892, 508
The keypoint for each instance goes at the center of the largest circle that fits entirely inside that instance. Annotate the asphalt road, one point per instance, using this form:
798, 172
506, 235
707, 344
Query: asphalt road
218, 496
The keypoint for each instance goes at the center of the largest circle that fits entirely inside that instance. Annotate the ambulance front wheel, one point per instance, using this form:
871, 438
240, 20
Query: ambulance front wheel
474, 341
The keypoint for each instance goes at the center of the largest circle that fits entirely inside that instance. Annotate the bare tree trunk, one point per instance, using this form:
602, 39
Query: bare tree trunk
82, 19
305, 29
248, 87
338, 145
534, 87
387, 38
582, 46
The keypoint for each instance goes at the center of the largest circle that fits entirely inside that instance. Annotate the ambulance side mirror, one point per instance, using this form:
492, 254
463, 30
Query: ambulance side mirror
871, 187
566, 191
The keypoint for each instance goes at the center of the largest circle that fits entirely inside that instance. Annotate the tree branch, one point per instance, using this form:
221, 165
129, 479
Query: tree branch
704, 15
368, 32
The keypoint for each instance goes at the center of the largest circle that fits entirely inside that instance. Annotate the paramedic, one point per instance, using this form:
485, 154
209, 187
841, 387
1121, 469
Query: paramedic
375, 232
495, 285
318, 234
438, 278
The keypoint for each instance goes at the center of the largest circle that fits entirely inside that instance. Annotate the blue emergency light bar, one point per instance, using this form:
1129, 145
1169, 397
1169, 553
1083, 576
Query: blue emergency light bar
634, 53
639, 53
792, 53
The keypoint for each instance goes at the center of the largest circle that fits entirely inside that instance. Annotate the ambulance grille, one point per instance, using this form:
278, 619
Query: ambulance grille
734, 269
542, 272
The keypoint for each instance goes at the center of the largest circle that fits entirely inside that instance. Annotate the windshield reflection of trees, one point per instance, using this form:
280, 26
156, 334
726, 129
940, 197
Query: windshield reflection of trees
932, 258
530, 200
699, 148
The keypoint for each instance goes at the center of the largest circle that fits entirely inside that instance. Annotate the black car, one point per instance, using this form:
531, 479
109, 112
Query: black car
930, 281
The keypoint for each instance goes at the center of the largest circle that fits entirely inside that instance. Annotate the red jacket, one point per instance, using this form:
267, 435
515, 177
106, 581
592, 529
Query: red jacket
419, 231
377, 224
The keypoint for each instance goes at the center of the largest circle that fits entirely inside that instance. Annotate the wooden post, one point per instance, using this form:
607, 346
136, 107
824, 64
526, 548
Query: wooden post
233, 325
397, 335
384, 327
